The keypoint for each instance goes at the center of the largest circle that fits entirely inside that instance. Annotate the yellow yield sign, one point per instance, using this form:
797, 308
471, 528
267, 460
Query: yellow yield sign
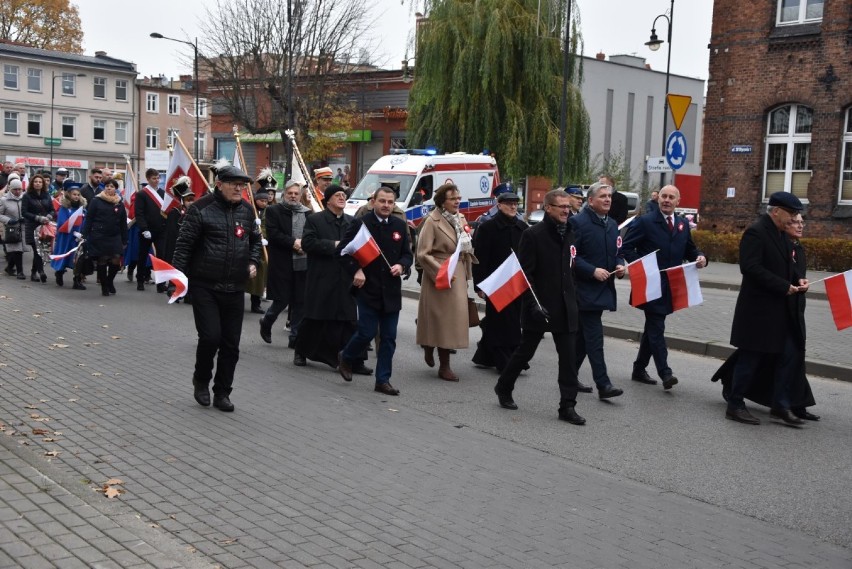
678, 106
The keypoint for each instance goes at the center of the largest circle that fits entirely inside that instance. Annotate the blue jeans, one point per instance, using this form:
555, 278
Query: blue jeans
371, 320
653, 343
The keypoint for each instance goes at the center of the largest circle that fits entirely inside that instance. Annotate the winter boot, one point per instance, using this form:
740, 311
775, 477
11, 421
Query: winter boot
112, 270
60, 280
78, 284
102, 279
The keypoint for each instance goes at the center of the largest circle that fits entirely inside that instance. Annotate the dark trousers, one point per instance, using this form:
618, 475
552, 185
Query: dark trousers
219, 322
143, 271
295, 301
565, 345
371, 321
38, 262
746, 370
590, 342
653, 343
15, 262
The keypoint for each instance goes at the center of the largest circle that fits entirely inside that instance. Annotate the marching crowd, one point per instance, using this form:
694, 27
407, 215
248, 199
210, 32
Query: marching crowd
353, 266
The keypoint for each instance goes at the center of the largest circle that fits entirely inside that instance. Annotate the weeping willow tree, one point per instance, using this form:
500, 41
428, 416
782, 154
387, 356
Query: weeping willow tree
489, 75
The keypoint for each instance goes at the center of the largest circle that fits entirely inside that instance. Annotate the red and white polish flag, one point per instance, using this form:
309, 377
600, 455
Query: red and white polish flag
839, 291
506, 283
74, 220
182, 164
645, 281
683, 282
363, 247
162, 272
444, 279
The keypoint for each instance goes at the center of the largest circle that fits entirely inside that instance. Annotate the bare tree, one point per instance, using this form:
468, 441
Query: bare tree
276, 65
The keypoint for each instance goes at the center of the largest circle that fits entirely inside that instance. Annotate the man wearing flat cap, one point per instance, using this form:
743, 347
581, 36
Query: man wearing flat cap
763, 326
218, 248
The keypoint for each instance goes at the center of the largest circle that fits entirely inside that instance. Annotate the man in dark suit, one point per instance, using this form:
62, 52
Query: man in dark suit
151, 224
92, 187
668, 234
598, 259
545, 255
379, 288
763, 322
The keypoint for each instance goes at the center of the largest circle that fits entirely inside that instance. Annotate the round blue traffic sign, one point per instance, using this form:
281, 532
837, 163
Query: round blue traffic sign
676, 150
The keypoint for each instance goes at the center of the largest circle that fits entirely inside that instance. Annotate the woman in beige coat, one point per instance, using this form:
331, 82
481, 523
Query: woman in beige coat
442, 320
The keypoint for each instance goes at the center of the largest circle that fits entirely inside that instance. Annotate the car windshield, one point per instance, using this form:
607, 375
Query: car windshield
401, 184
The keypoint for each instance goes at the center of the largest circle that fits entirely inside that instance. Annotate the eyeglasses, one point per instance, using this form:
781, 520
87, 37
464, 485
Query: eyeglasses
559, 206
802, 223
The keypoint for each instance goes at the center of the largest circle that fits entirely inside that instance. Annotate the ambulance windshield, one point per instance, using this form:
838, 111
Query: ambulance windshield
401, 184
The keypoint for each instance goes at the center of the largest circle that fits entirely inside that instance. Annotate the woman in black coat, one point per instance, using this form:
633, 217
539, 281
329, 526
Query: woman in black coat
105, 232
760, 390
493, 241
37, 209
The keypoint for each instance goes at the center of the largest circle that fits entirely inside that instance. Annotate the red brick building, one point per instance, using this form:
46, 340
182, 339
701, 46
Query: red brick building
779, 113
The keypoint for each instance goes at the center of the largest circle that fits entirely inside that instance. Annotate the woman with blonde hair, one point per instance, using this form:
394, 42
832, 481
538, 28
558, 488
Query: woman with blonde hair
442, 317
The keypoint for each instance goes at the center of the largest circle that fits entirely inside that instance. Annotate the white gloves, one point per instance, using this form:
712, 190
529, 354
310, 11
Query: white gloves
78, 236
257, 221
264, 242
146, 234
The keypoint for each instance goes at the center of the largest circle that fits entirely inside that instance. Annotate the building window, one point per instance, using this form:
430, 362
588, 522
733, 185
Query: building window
172, 135
121, 132
10, 122
69, 127
69, 84
174, 105
152, 101
152, 138
34, 124
846, 173
34, 80
10, 76
202, 108
201, 140
788, 149
121, 89
100, 87
799, 11
99, 130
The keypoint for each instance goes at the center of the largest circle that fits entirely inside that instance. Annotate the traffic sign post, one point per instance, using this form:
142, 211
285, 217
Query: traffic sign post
676, 150
678, 107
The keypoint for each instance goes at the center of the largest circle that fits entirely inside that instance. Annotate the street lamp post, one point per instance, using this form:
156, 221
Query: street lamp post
654, 44
53, 78
197, 80
563, 106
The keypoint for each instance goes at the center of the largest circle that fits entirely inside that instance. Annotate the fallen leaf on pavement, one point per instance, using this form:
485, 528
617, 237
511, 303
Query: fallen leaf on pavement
30, 406
116, 337
191, 549
53, 453
155, 526
114, 482
40, 431
48, 440
230, 541
97, 374
59, 345
42, 419
111, 492
34, 415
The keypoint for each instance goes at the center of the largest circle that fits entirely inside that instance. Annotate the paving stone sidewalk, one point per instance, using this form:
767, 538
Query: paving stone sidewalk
305, 473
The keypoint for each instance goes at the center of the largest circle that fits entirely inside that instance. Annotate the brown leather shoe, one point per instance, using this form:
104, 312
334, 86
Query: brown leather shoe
343, 367
741, 416
386, 388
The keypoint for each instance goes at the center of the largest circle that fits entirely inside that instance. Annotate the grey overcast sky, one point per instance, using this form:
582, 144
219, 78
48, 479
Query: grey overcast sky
611, 26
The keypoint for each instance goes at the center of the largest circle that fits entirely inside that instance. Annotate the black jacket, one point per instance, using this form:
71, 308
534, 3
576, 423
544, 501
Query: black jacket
148, 216
381, 291
88, 192
279, 232
762, 317
32, 206
105, 227
546, 259
619, 208
216, 243
327, 282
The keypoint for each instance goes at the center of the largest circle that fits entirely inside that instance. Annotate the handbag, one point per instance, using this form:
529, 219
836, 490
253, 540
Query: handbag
12, 233
472, 313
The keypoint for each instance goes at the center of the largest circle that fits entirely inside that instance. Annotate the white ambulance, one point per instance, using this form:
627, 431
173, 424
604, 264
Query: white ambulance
415, 175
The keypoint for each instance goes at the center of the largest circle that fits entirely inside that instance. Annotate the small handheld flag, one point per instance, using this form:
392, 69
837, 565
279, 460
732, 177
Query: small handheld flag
163, 272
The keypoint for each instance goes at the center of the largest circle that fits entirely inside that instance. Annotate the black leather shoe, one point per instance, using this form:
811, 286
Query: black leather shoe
583, 388
257, 310
385, 388
291, 343
299, 360
140, 286
505, 401
202, 395
786, 416
669, 381
570, 415
361, 369
162, 287
265, 331
804, 414
223, 403
742, 416
346, 370
609, 392
641, 376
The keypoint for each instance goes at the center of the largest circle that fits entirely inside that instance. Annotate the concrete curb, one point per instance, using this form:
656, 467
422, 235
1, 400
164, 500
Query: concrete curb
735, 288
716, 350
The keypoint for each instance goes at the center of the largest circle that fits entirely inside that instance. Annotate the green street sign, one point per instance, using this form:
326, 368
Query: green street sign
52, 141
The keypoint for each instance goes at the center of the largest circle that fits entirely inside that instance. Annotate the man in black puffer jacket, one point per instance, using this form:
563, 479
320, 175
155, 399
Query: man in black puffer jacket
219, 249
